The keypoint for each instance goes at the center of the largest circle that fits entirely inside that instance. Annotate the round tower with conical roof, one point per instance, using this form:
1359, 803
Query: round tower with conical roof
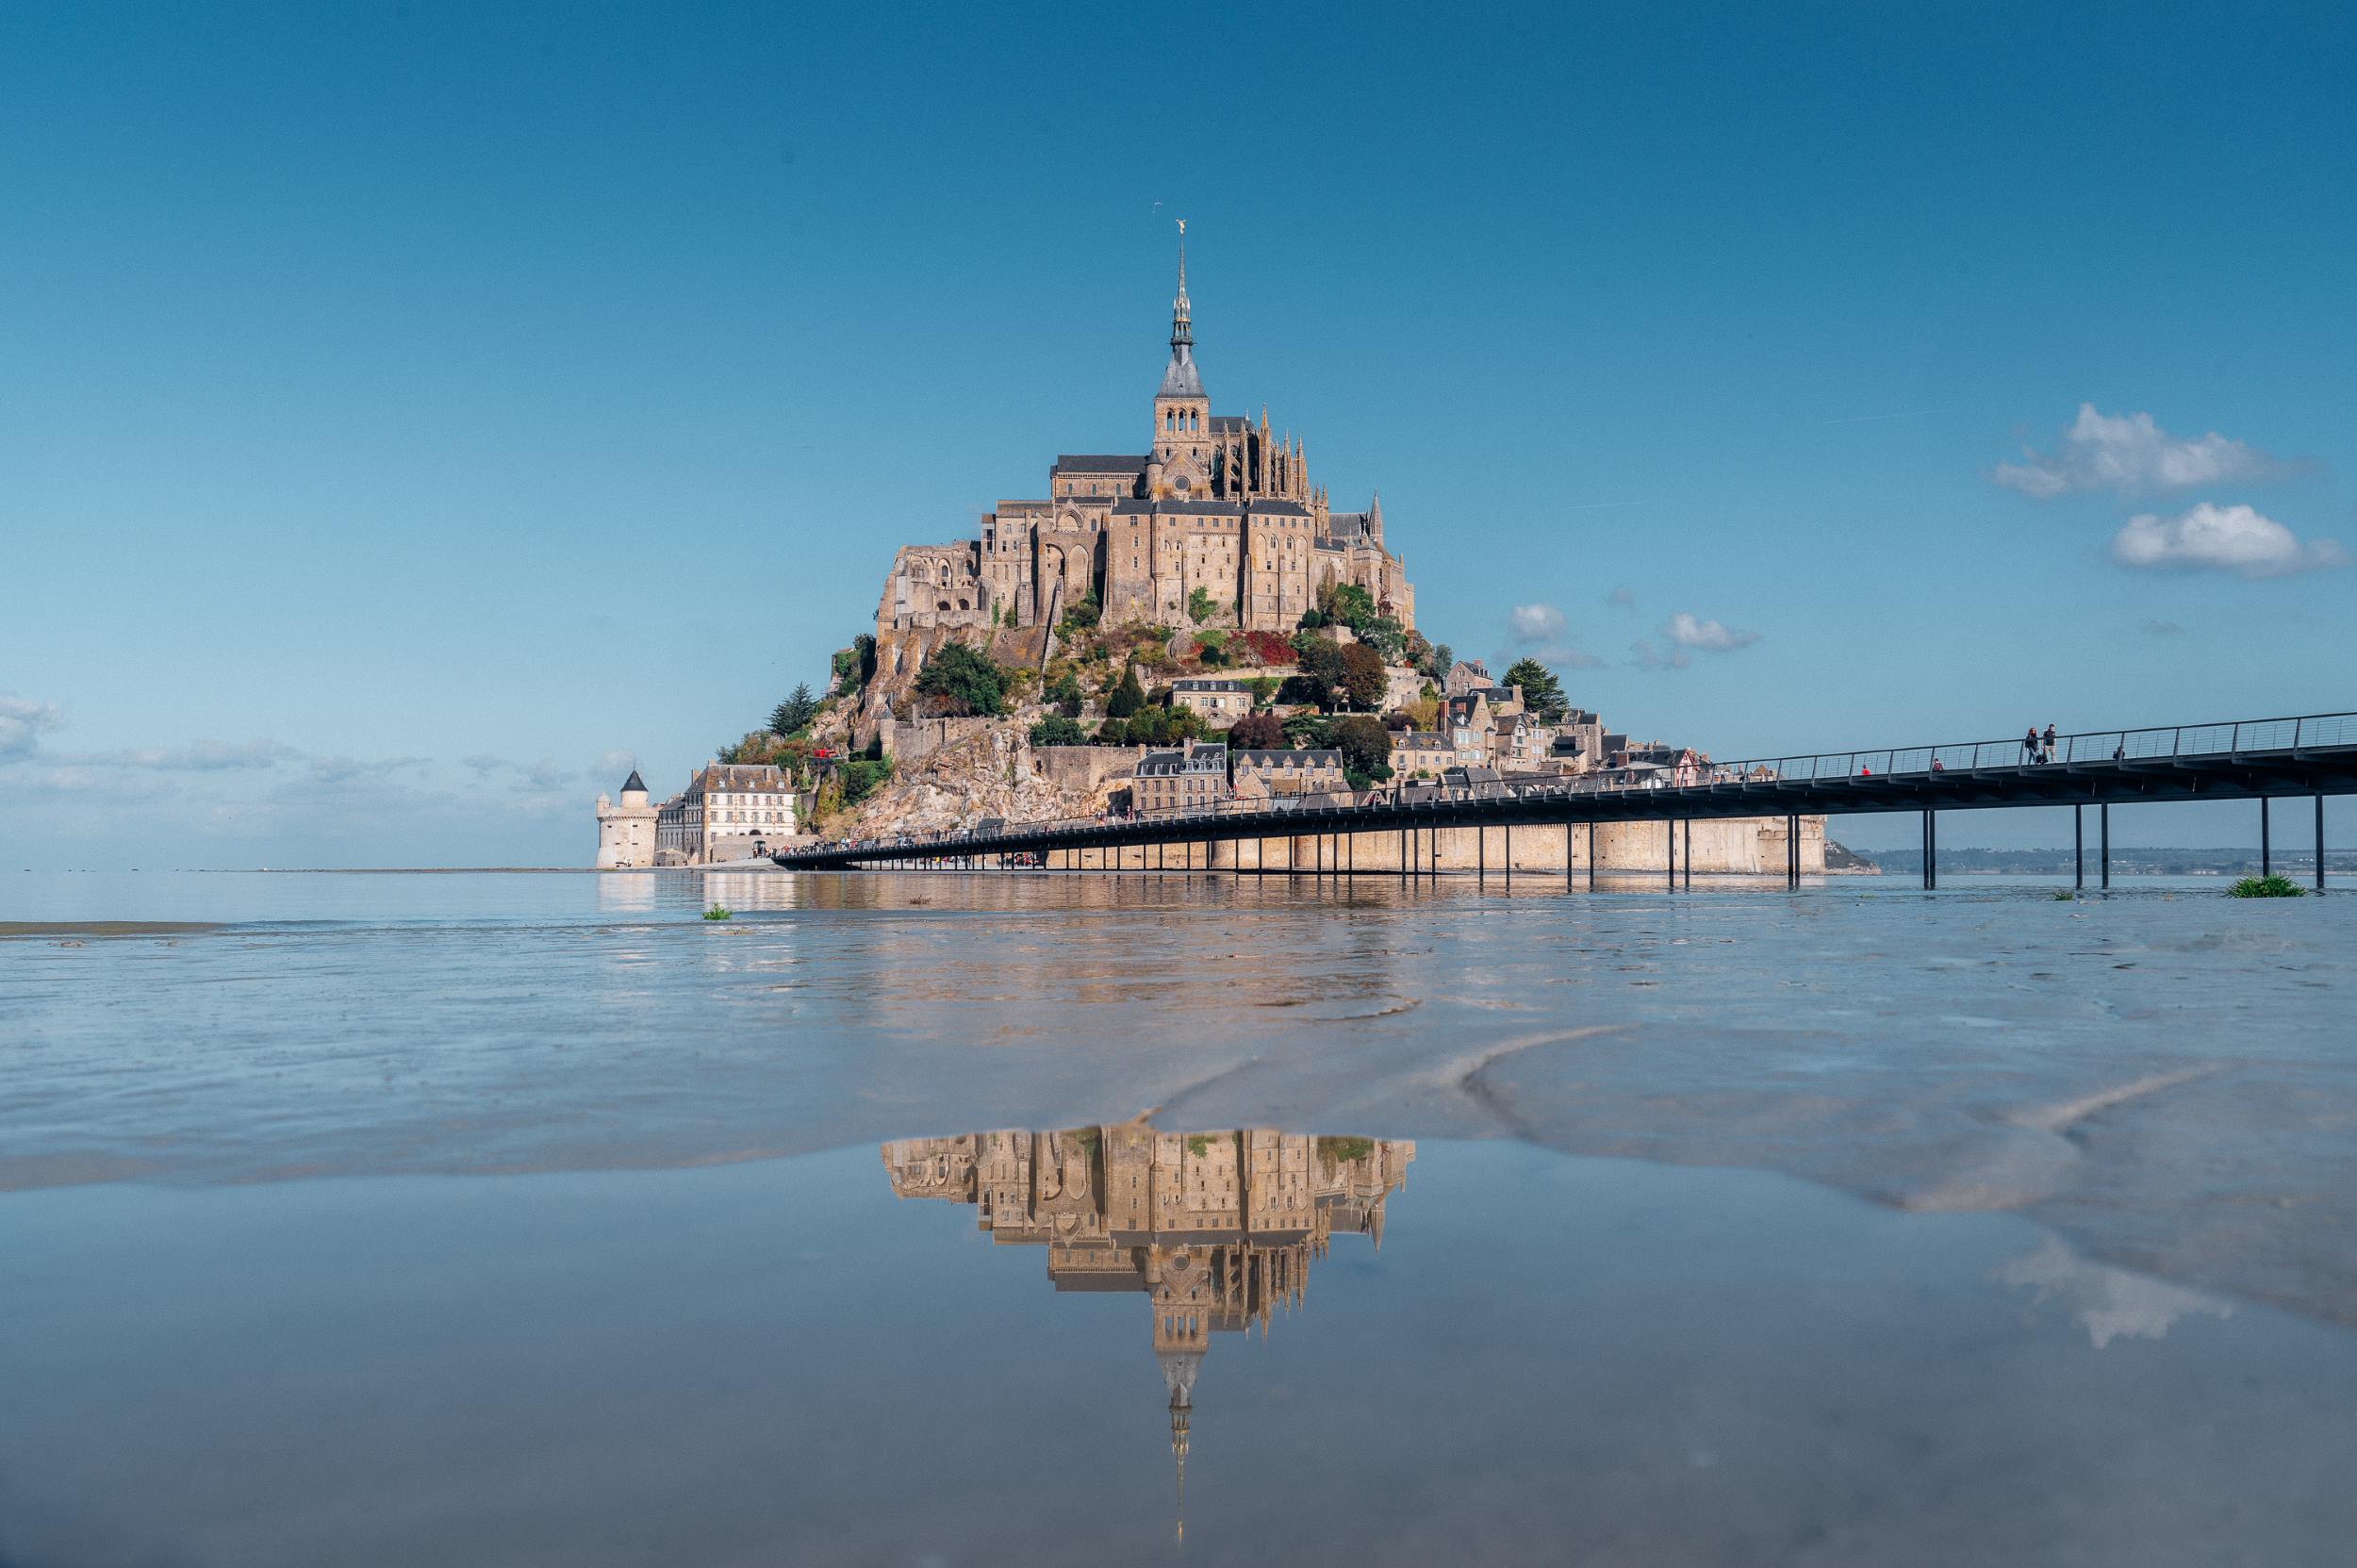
626, 828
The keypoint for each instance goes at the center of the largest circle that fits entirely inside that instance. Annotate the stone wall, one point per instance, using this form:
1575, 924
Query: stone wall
1739, 847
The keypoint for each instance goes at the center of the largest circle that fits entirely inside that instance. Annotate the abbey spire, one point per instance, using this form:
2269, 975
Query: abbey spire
1180, 380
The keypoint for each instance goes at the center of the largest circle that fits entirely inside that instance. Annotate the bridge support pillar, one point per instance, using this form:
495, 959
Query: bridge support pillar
1481, 853
1930, 848
1591, 857
2266, 859
1509, 854
1689, 852
2078, 847
1670, 827
2320, 843
1567, 857
2103, 843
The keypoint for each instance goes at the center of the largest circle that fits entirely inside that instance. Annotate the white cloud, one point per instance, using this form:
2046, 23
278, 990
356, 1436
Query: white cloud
23, 722
2221, 538
616, 765
333, 771
1534, 623
1644, 655
2132, 455
1715, 637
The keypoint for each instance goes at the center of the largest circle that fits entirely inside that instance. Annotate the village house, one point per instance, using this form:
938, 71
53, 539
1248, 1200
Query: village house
1422, 753
1195, 779
1260, 774
1219, 700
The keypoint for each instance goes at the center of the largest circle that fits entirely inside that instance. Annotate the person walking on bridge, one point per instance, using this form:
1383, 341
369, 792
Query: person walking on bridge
2049, 742
2029, 744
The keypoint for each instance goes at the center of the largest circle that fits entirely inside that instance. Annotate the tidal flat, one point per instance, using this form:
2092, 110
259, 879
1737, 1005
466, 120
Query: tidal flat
512, 1219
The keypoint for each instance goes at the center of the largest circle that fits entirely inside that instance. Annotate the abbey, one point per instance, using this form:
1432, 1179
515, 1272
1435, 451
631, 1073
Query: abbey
1216, 507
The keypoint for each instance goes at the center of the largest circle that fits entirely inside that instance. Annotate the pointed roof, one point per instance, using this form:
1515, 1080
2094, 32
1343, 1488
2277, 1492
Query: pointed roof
1180, 380
633, 781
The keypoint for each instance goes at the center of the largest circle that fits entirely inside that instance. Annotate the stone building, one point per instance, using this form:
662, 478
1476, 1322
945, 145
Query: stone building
1217, 509
728, 811
1221, 700
1260, 774
1195, 779
626, 829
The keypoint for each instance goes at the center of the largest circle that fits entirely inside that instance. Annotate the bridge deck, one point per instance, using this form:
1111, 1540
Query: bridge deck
2315, 756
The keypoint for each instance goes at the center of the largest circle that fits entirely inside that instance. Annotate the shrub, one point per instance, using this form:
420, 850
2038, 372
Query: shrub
1266, 648
1201, 606
2265, 887
861, 779
959, 680
1056, 730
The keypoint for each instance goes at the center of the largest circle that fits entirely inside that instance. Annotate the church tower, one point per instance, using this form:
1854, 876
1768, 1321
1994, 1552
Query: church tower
1181, 464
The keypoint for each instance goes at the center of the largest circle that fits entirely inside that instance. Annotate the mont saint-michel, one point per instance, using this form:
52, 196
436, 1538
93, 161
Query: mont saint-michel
1192, 627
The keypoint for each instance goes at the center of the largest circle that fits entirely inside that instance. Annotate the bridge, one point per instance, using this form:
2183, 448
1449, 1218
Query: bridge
2265, 760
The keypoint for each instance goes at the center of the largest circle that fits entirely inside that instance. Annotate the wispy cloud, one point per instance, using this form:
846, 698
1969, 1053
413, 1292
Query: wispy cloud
1621, 597
335, 771
1644, 655
2132, 454
1716, 636
23, 722
2161, 629
196, 756
2221, 538
616, 765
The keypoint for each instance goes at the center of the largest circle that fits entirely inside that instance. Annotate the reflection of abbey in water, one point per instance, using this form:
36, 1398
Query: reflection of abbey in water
1216, 1227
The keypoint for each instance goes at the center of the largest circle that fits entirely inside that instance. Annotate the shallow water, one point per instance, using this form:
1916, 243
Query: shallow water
2067, 1277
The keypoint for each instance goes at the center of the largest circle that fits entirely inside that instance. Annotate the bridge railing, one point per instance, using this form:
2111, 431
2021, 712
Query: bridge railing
2113, 747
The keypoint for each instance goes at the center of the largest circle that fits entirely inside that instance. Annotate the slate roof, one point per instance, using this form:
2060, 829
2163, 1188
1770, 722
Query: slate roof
633, 781
1296, 760
1292, 508
1090, 462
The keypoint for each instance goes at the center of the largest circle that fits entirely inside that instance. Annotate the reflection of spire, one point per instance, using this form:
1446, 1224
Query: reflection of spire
1178, 1370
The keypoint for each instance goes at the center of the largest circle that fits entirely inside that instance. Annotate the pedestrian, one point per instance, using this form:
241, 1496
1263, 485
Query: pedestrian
2049, 742
2029, 745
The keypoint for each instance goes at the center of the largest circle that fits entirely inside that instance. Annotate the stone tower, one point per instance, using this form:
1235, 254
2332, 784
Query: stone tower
1181, 463
626, 831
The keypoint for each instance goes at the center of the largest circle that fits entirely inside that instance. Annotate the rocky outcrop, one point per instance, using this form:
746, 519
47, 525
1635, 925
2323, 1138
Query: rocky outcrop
992, 773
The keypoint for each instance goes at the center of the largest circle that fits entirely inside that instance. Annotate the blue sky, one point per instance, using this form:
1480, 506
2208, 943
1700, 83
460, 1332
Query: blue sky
404, 412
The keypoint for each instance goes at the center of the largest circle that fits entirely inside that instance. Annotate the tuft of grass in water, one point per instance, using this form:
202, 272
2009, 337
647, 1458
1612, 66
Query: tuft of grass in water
2064, 896
720, 911
2265, 887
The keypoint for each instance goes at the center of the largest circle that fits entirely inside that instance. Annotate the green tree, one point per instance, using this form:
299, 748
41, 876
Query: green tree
1366, 748
1112, 732
1346, 604
793, 715
1263, 689
1056, 730
861, 779
1257, 731
1437, 665
1362, 680
1128, 698
1543, 694
1064, 691
959, 680
1201, 606
1309, 729
1079, 616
